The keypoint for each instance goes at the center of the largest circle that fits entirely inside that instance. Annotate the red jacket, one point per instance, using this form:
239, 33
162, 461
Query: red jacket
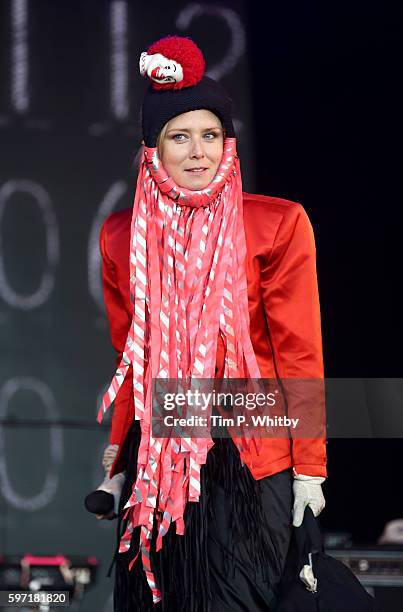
284, 313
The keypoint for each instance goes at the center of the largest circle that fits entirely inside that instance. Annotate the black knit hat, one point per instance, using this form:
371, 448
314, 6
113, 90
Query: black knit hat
176, 67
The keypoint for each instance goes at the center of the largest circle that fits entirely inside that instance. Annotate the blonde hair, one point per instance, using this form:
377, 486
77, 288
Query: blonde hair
161, 137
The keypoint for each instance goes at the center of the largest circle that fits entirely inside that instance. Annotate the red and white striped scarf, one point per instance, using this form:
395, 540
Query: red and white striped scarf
187, 283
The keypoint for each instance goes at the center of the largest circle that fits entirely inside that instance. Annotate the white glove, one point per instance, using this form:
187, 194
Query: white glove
112, 485
307, 492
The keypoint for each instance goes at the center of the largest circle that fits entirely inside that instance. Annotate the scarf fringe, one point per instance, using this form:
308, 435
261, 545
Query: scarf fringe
181, 567
176, 320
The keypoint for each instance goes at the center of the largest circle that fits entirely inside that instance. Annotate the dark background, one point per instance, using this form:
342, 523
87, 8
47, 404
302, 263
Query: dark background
317, 99
330, 137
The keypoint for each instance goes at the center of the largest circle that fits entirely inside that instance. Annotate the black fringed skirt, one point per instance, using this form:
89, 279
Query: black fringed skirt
233, 552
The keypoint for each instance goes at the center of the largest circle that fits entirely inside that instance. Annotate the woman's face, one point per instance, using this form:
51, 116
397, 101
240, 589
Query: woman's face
191, 148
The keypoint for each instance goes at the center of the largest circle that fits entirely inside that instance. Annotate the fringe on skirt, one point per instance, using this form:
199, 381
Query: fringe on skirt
182, 567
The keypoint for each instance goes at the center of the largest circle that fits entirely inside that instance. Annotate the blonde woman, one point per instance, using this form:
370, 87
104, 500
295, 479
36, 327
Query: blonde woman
202, 280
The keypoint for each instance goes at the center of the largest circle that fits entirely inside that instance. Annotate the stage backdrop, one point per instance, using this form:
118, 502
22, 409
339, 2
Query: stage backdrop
69, 130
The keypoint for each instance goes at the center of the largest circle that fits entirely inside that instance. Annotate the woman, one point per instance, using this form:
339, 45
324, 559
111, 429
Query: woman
223, 285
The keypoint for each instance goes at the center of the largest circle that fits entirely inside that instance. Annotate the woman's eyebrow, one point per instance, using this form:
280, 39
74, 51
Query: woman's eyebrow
216, 127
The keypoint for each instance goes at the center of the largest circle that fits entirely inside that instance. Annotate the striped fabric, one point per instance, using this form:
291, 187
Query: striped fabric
187, 283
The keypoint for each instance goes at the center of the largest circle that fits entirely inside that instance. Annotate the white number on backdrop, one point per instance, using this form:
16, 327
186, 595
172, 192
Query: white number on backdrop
41, 196
19, 68
112, 196
119, 60
234, 24
45, 496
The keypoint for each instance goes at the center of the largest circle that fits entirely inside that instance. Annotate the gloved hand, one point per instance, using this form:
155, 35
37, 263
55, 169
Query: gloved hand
307, 492
104, 502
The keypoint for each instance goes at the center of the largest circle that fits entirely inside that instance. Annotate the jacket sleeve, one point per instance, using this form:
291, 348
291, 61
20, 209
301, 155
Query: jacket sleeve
291, 303
119, 325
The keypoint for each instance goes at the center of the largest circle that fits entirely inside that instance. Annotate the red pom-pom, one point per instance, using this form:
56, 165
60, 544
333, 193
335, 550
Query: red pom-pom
186, 53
